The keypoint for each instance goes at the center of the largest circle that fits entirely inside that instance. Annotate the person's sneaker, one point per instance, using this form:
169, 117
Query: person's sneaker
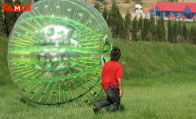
95, 109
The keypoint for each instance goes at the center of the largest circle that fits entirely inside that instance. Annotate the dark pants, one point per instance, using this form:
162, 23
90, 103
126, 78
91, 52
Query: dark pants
112, 98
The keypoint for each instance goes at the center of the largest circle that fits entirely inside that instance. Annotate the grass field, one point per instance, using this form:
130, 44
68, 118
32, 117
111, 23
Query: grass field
159, 83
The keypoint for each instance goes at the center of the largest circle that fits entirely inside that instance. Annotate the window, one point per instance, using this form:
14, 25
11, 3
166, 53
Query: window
167, 14
175, 14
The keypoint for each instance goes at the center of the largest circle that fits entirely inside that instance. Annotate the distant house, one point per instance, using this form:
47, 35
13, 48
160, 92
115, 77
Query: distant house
174, 9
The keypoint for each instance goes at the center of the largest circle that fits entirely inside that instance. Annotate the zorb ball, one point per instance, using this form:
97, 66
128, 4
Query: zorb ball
56, 52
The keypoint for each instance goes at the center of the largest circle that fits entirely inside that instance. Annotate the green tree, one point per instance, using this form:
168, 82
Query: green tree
105, 14
170, 31
121, 30
194, 40
2, 23
127, 24
115, 20
138, 1
161, 29
175, 33
193, 35
9, 19
97, 6
148, 29
153, 30
188, 34
140, 24
179, 31
145, 30
179, 28
134, 29
184, 32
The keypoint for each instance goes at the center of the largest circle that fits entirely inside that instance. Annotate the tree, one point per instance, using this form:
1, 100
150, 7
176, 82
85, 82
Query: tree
97, 6
138, 1
152, 28
134, 29
121, 30
105, 14
9, 19
2, 22
145, 30
179, 31
161, 29
140, 24
174, 29
193, 34
179, 28
194, 40
184, 32
115, 20
170, 32
127, 24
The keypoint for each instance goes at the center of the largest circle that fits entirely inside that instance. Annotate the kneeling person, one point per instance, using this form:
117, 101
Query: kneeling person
112, 74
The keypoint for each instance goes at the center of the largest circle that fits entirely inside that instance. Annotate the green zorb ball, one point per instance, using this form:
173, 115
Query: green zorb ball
56, 50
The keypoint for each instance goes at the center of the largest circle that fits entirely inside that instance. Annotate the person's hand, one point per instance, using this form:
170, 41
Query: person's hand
121, 93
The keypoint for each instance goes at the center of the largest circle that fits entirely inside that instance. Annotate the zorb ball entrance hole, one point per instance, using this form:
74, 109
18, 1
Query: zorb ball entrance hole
55, 52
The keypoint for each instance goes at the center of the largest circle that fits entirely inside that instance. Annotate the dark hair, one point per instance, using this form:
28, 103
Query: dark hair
115, 54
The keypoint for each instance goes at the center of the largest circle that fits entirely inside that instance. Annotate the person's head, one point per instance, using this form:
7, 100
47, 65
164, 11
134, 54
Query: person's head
115, 54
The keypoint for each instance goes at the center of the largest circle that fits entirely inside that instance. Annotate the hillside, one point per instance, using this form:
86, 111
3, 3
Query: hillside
151, 59
140, 59
123, 6
159, 82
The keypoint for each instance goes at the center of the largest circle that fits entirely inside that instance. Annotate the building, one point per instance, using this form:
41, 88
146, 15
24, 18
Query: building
174, 9
138, 9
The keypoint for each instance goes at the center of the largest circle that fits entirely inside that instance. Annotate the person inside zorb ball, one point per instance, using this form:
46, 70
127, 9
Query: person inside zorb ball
56, 52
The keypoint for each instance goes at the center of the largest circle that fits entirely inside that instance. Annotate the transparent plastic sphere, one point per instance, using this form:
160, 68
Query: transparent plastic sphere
55, 52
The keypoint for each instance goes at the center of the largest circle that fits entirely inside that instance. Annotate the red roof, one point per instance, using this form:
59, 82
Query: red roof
192, 7
175, 6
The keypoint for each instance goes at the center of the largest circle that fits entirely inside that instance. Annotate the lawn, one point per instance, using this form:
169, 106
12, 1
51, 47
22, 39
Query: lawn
159, 82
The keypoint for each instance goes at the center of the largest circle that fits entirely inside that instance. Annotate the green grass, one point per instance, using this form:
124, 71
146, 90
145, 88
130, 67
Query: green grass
151, 59
159, 83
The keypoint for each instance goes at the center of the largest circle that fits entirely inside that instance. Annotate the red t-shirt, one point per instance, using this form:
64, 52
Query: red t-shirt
111, 71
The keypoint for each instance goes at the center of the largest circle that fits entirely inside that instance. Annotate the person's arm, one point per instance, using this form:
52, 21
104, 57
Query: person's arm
120, 86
